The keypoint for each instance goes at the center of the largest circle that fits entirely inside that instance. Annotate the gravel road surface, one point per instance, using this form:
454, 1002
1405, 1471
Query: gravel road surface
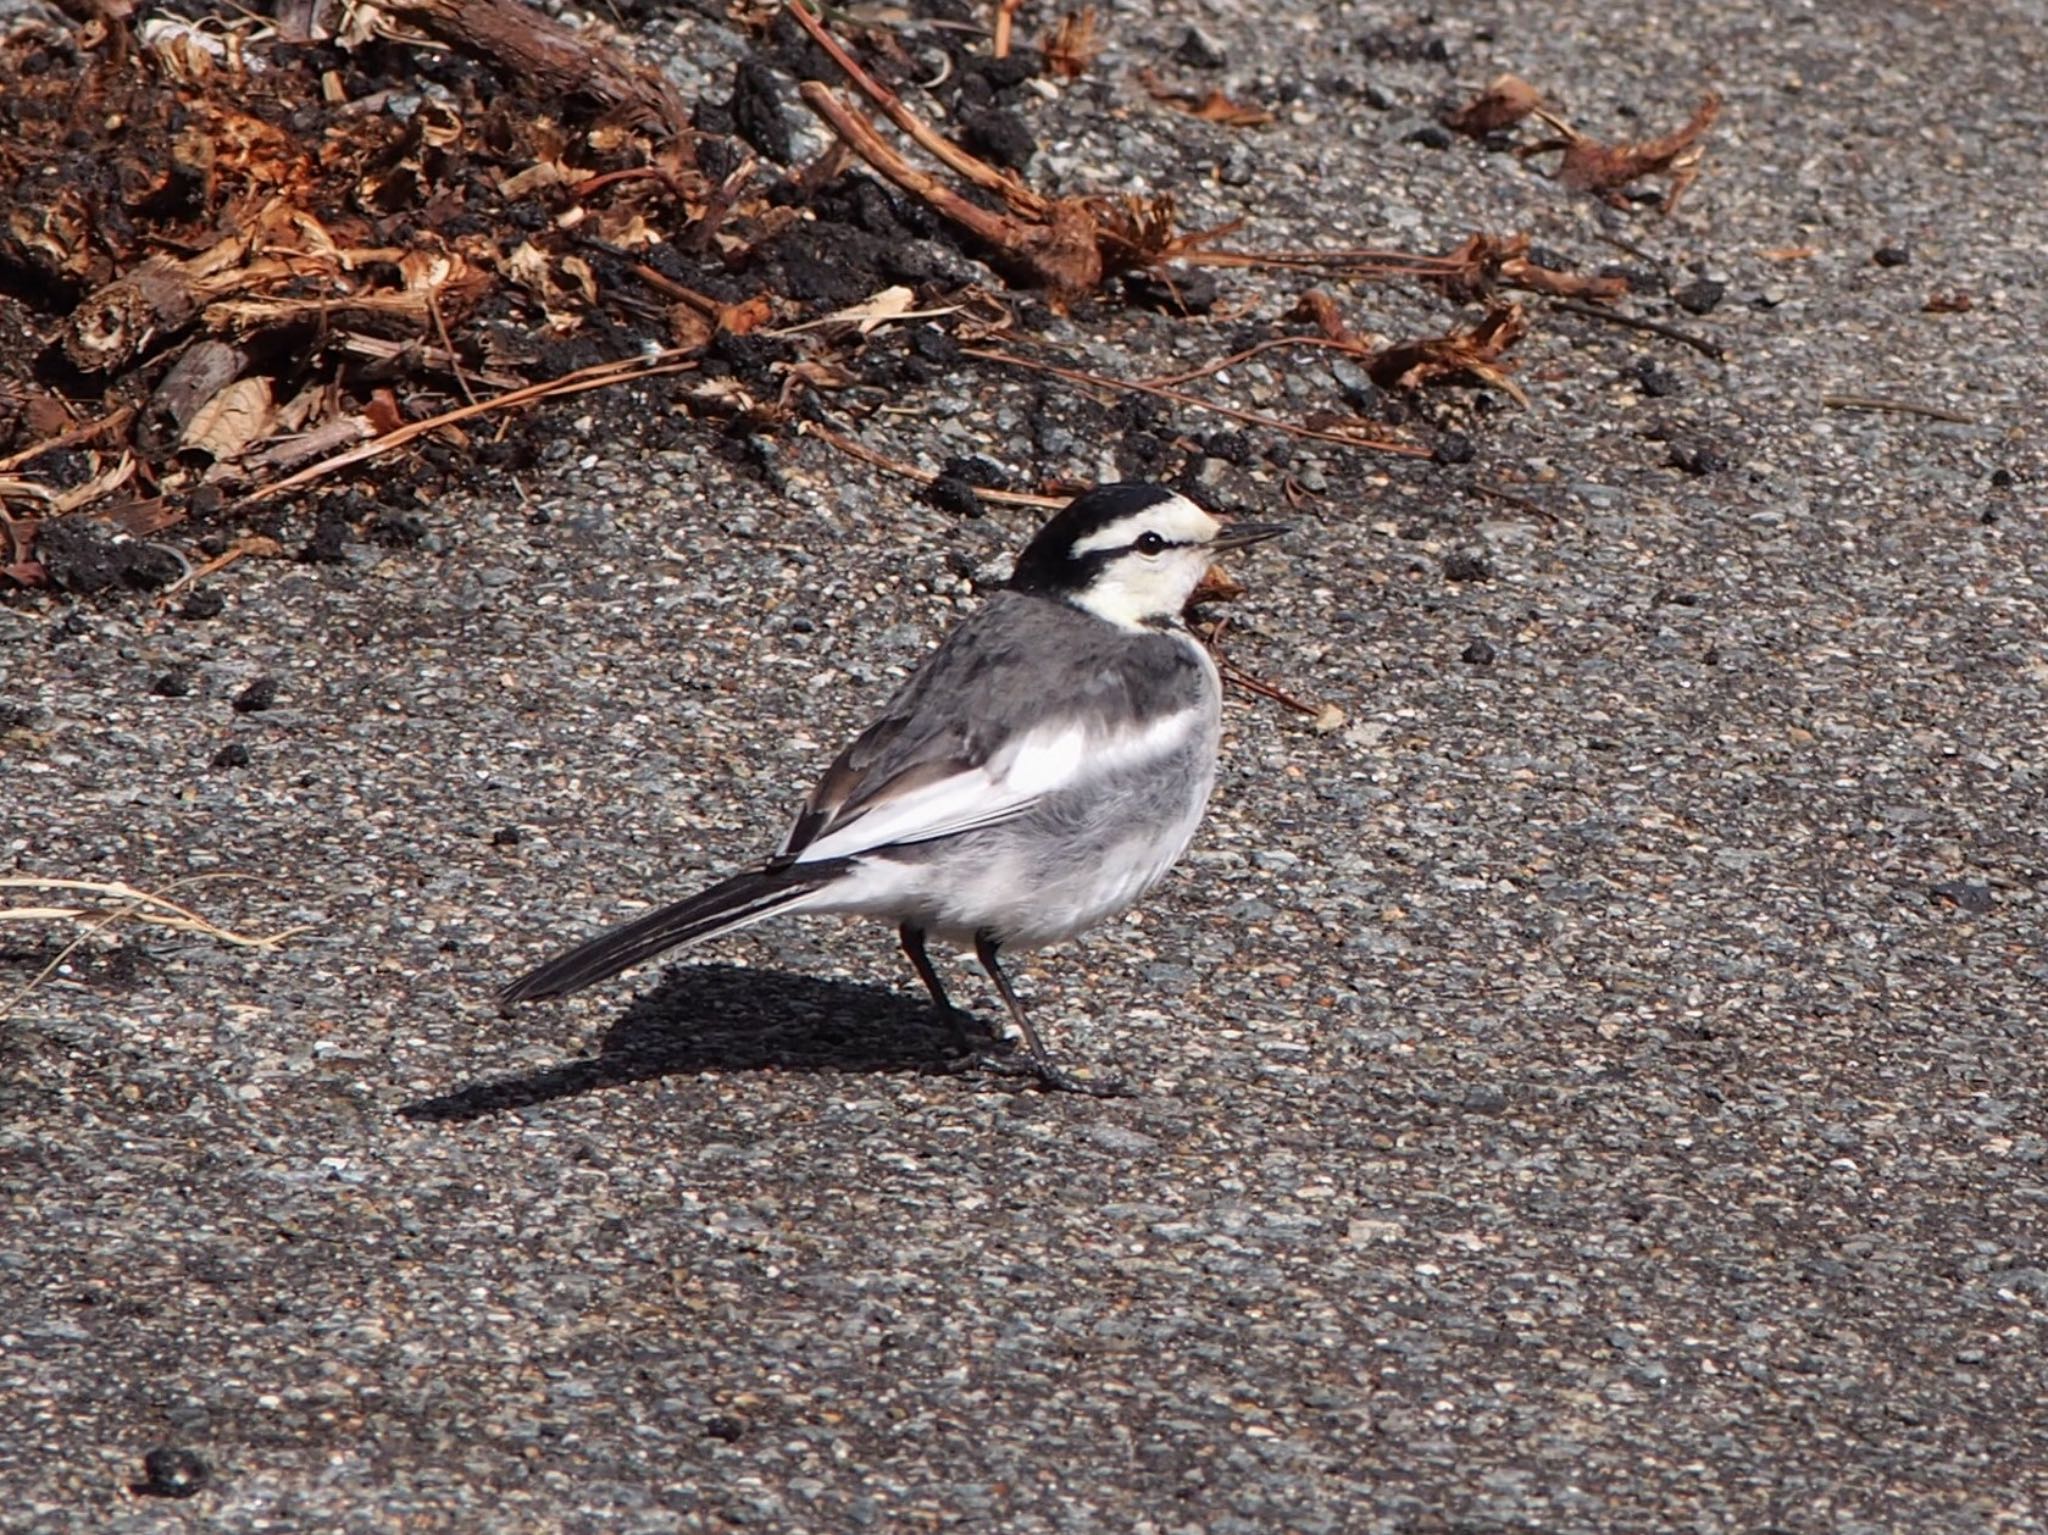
1596, 1086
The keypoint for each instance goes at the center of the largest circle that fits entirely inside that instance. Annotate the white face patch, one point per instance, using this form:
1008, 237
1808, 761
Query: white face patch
1177, 520
1135, 589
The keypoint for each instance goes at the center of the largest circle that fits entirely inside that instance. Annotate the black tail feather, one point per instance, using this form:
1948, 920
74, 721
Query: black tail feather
736, 902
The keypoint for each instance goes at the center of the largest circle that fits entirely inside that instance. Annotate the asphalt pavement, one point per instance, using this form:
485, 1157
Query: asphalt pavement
1595, 1083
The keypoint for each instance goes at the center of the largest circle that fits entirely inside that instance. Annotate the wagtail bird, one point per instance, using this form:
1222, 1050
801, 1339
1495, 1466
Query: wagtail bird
1041, 771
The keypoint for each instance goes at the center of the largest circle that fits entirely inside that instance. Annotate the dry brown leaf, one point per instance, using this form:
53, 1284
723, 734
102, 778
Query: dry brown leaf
1463, 357
1607, 169
877, 309
689, 327
722, 396
531, 268
888, 307
747, 315
186, 55
383, 414
1071, 47
1318, 307
537, 177
1214, 107
1506, 100
226, 424
1216, 585
578, 271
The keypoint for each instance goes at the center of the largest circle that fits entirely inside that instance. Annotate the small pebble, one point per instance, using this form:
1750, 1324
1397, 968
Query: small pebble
1656, 382
168, 1473
954, 495
257, 696
1198, 50
1467, 565
1698, 458
1700, 297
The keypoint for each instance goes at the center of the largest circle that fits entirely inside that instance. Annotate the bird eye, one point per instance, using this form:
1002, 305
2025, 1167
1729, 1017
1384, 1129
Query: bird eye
1150, 543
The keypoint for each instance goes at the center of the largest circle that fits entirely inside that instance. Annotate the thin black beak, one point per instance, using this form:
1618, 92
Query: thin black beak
1240, 535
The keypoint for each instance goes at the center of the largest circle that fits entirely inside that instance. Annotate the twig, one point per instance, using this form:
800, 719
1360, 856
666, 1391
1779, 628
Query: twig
858, 134
1232, 672
1168, 380
195, 574
1006, 18
454, 357
114, 421
1902, 407
868, 455
528, 45
1704, 345
1359, 261
1249, 418
600, 376
934, 143
1509, 498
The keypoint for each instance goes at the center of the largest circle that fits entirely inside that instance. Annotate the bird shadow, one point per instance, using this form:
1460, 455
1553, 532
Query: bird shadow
726, 1018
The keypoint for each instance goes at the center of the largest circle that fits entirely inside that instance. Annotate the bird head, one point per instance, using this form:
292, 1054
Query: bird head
1130, 554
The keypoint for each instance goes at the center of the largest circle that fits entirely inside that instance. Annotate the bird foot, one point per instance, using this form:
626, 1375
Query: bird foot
1048, 1078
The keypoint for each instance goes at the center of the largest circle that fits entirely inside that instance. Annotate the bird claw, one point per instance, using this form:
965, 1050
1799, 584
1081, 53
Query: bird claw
1043, 1075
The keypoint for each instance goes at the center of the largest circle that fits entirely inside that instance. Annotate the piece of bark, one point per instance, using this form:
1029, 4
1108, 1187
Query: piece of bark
202, 371
530, 45
116, 325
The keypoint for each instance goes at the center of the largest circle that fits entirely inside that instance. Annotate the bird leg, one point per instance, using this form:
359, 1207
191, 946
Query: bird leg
969, 1041
1049, 1076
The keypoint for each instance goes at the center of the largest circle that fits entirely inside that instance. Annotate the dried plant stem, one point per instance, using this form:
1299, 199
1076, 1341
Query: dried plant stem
934, 143
1239, 677
1902, 407
1169, 380
1704, 345
867, 455
859, 135
599, 376
1249, 418
1006, 20
108, 425
144, 906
